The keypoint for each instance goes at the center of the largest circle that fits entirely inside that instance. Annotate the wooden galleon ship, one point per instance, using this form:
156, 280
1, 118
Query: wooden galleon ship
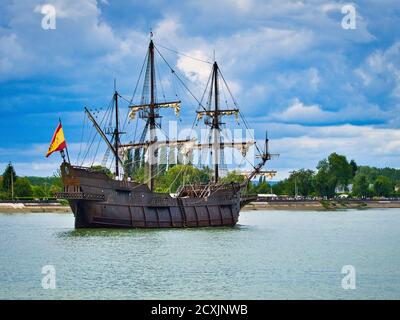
99, 199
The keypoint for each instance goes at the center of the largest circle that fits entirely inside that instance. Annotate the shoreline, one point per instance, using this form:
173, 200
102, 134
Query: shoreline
33, 208
324, 205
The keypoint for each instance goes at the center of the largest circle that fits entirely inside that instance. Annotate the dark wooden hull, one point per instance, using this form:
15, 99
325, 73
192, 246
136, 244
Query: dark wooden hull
99, 201
89, 214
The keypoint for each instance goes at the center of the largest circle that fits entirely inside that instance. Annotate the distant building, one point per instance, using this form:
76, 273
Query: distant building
344, 189
267, 196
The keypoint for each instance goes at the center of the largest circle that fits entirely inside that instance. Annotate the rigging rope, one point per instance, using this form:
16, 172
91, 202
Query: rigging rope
183, 54
174, 72
140, 75
240, 113
105, 116
82, 134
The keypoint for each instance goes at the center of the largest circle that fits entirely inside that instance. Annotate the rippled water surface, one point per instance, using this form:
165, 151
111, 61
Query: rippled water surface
269, 255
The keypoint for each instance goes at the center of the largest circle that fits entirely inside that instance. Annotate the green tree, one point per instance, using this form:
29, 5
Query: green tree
361, 185
252, 188
8, 177
339, 169
233, 176
181, 174
324, 181
99, 168
263, 186
138, 174
54, 188
303, 179
38, 192
333, 172
383, 186
354, 167
45, 182
56, 180
3, 195
372, 173
280, 188
22, 188
397, 188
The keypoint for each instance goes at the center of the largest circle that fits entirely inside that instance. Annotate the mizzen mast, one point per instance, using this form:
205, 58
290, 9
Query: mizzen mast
213, 116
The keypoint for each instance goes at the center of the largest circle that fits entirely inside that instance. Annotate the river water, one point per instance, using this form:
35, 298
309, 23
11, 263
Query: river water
269, 255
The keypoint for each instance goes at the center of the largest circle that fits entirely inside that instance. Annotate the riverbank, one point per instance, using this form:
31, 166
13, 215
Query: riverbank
323, 205
33, 208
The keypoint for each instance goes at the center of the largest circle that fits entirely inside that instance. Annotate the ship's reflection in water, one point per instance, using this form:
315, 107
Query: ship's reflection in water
268, 255
126, 232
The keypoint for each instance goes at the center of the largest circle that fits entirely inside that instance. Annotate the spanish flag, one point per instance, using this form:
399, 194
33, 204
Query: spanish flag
58, 142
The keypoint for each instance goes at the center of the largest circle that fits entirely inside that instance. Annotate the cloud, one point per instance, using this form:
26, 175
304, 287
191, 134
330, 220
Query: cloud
239, 55
313, 114
196, 71
380, 73
80, 36
300, 113
11, 54
308, 79
41, 169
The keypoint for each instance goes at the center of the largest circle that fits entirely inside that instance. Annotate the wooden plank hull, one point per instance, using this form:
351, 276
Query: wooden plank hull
89, 214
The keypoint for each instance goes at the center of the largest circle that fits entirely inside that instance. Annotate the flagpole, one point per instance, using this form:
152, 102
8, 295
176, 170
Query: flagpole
66, 147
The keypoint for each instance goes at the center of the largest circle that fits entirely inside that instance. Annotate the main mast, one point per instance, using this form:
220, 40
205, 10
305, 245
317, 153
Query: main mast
151, 119
149, 110
215, 128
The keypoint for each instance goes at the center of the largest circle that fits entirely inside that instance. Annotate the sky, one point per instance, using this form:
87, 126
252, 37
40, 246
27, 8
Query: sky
317, 87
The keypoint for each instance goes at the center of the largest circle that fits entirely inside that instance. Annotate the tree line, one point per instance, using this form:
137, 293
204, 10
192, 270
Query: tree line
336, 174
15, 187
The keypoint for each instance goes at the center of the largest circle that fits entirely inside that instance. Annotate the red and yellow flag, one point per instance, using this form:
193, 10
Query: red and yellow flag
58, 142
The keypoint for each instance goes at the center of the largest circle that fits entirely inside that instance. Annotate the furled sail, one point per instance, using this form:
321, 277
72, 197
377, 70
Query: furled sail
243, 147
211, 113
146, 144
136, 108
